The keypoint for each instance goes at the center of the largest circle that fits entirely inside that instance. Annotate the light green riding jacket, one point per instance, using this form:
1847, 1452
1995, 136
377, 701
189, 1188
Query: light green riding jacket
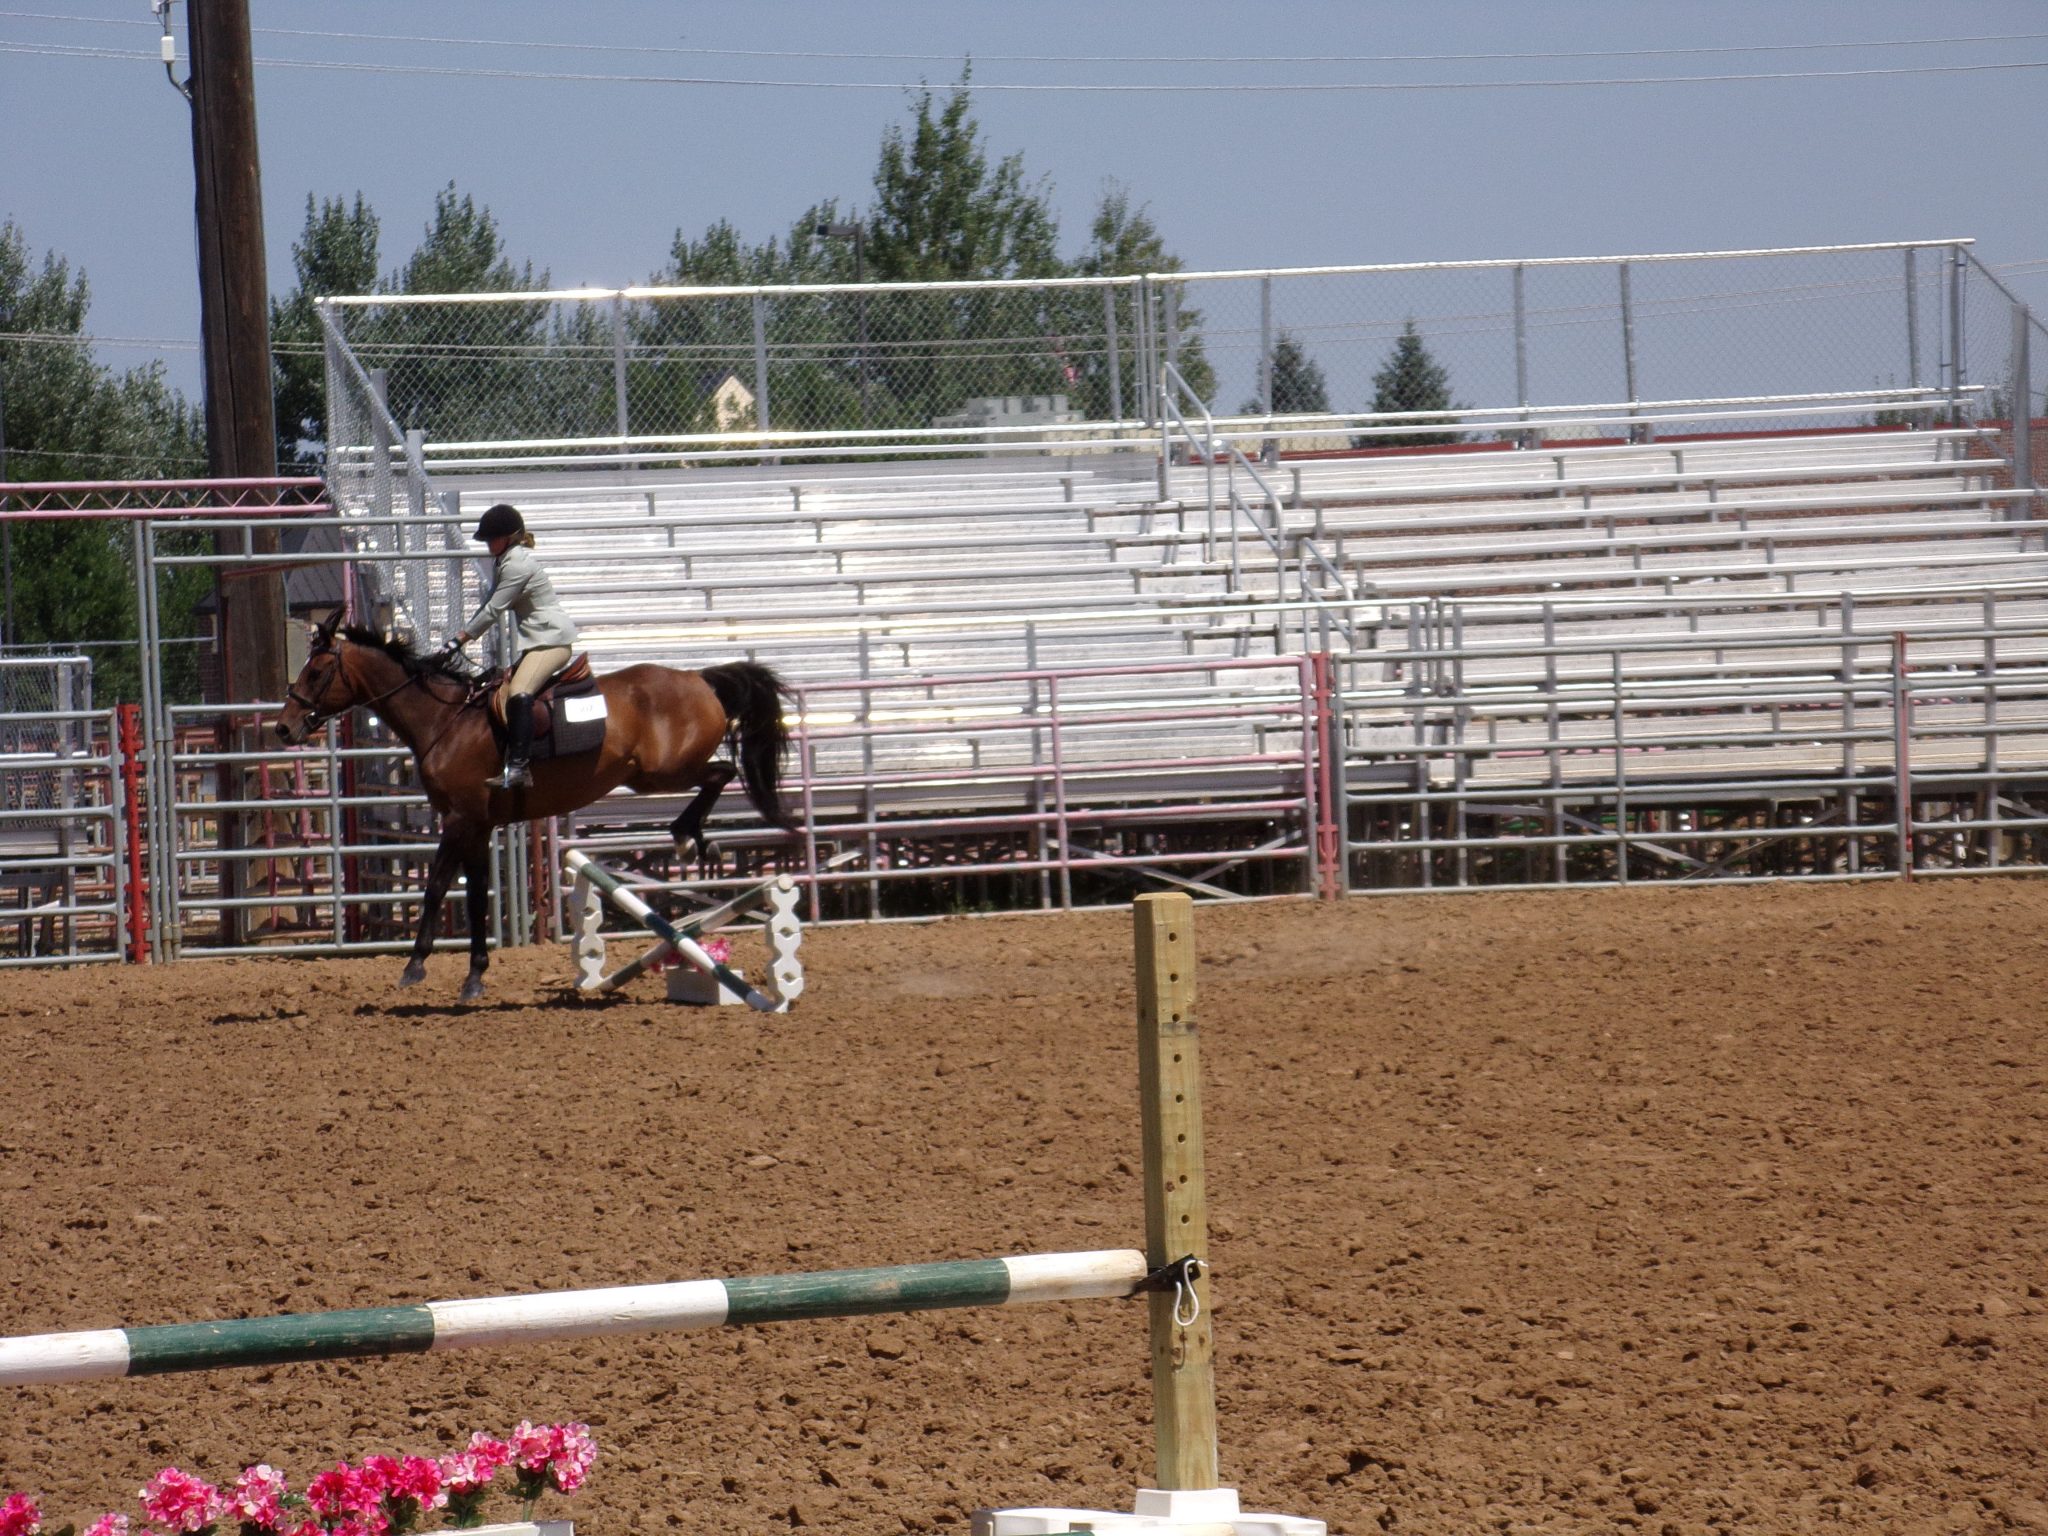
522, 589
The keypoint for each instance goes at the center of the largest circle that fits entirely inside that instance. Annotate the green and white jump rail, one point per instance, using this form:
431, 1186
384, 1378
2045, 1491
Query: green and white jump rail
593, 885
492, 1321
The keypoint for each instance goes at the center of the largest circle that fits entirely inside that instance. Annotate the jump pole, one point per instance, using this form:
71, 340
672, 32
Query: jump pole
488, 1321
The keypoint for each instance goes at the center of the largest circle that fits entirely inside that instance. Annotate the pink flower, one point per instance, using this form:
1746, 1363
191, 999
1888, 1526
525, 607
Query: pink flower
180, 1502
718, 949
344, 1490
256, 1499
329, 1492
574, 1451
307, 1528
374, 1476
469, 1469
19, 1516
419, 1480
532, 1448
109, 1524
360, 1525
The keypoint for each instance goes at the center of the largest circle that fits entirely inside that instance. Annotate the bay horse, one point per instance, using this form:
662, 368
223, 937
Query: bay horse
663, 728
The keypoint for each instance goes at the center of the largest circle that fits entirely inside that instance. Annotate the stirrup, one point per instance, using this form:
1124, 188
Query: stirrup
516, 774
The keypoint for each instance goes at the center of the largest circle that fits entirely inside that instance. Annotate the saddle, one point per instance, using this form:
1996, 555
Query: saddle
563, 723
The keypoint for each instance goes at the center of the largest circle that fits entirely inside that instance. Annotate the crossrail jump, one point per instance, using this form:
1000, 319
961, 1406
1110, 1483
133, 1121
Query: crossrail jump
594, 885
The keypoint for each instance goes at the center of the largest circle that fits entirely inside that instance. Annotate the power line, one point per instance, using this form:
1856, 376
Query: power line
1290, 87
1082, 58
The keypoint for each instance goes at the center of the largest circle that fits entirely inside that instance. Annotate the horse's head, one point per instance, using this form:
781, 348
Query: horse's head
324, 687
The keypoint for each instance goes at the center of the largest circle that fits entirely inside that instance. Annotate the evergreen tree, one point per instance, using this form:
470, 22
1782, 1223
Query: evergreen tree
944, 212
336, 253
70, 418
1124, 242
474, 371
941, 212
1299, 388
1410, 380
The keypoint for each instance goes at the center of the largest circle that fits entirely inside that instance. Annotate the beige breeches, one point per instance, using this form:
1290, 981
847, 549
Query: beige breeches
533, 670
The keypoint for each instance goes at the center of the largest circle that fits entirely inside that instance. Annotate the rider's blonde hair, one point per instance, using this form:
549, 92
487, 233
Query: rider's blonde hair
526, 538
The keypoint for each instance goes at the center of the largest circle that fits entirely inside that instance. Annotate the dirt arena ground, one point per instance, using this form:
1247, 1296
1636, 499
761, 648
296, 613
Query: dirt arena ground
1670, 1211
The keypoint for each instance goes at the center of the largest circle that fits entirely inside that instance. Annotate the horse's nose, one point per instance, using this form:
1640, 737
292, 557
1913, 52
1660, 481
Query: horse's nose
284, 732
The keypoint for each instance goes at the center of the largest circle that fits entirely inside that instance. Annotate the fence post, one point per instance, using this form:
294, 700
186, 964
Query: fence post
1902, 752
1145, 341
761, 414
1628, 346
1116, 361
1912, 324
2022, 408
1955, 335
1173, 326
1270, 453
129, 750
1176, 1197
1328, 739
1522, 355
619, 369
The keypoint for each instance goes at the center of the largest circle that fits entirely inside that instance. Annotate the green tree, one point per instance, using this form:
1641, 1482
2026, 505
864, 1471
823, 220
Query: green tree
68, 417
1299, 388
944, 212
1123, 241
477, 370
941, 212
336, 253
1410, 380
681, 347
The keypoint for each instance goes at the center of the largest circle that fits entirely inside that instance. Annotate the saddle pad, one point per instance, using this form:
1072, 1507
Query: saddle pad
578, 726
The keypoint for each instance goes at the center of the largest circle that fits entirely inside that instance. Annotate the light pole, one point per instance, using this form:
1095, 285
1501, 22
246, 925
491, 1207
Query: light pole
857, 233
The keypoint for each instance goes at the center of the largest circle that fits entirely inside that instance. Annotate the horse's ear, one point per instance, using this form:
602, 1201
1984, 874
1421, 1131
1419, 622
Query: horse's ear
323, 632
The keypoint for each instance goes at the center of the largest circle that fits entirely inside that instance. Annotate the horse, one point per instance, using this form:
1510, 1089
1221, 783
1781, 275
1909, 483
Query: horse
662, 730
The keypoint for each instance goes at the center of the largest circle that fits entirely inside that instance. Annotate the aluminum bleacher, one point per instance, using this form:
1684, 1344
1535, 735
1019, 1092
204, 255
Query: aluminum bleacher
1483, 610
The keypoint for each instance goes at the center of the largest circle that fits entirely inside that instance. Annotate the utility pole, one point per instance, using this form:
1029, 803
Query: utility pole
234, 293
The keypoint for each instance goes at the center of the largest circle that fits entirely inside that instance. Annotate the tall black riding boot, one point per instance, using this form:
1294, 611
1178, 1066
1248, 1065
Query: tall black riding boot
518, 742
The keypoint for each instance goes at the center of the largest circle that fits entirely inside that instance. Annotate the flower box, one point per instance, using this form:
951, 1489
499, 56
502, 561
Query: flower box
687, 984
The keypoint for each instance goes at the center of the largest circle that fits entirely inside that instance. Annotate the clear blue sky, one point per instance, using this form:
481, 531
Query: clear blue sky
591, 180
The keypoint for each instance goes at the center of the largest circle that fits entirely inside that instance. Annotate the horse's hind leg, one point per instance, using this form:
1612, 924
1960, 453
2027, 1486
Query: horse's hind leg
439, 878
477, 878
689, 827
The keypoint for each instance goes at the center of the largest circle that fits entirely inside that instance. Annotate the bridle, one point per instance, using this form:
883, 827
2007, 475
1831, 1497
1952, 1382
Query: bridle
317, 717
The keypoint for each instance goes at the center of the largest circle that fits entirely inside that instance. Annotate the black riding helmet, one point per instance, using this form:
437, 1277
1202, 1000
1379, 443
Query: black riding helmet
501, 521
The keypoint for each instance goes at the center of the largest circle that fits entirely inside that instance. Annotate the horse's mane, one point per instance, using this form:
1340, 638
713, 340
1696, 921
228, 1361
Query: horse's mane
400, 649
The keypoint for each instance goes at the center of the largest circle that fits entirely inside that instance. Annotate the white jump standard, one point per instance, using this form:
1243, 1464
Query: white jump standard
594, 885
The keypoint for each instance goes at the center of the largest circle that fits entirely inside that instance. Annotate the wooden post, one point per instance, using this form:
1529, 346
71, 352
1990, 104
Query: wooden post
234, 312
1176, 1200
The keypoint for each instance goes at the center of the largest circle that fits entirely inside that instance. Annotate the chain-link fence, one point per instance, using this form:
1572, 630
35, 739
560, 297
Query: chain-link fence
969, 367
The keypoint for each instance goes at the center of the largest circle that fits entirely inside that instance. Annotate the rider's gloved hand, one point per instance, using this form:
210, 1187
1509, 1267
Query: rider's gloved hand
449, 651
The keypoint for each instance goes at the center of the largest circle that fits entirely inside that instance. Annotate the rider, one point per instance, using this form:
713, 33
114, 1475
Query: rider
519, 586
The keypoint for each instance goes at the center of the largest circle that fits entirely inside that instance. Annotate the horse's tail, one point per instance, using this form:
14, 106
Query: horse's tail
752, 696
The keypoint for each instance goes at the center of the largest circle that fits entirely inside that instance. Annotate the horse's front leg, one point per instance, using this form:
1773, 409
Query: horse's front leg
476, 873
439, 878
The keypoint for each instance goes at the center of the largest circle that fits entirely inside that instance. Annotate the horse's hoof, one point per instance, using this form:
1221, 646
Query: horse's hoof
414, 973
707, 853
472, 989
